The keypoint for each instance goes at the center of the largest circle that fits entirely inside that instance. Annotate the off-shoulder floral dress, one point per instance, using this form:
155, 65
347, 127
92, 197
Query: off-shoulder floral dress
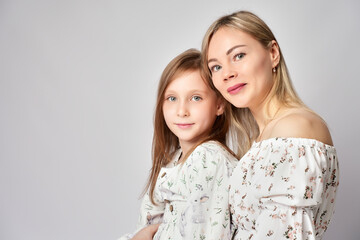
192, 197
284, 188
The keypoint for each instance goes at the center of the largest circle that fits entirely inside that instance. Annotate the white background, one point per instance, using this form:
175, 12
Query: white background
78, 84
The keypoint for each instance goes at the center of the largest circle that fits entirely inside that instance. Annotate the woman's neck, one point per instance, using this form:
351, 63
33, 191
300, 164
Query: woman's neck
265, 113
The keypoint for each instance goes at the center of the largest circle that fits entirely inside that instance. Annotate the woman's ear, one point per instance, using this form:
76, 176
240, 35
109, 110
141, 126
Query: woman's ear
220, 107
274, 53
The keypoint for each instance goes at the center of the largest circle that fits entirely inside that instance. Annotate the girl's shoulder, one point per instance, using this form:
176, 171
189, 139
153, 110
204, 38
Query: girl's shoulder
302, 123
210, 144
213, 149
211, 156
213, 146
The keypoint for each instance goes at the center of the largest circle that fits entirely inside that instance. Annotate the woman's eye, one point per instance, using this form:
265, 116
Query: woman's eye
196, 98
239, 56
215, 68
171, 99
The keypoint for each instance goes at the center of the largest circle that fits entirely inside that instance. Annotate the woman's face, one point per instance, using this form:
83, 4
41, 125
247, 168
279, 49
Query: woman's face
241, 67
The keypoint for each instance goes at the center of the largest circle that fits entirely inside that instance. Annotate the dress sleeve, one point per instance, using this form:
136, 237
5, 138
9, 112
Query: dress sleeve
149, 214
207, 215
295, 187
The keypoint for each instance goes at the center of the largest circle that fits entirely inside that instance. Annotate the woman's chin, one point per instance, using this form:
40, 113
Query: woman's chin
237, 104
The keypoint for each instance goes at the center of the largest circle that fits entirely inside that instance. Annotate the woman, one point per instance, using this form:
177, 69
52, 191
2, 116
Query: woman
285, 184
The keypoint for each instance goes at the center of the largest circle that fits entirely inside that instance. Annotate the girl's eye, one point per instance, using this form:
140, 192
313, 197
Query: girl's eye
239, 56
215, 68
171, 99
196, 98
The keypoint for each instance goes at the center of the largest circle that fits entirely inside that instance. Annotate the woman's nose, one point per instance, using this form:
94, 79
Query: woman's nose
229, 74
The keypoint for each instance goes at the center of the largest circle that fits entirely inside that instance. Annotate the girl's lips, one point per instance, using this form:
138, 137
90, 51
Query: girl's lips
236, 88
184, 125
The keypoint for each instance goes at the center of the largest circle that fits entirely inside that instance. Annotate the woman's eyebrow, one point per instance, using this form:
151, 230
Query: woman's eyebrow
233, 48
228, 52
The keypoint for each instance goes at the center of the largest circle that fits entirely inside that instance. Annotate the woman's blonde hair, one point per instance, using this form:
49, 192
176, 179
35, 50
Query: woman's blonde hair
244, 127
165, 143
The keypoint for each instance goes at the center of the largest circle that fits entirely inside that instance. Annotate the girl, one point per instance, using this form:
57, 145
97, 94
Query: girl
188, 184
285, 183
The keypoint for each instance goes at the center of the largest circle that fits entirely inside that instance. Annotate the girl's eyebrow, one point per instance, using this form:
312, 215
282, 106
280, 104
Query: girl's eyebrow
190, 92
228, 52
197, 91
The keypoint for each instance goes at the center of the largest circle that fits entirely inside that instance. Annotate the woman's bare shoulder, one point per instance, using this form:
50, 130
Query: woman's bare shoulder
302, 123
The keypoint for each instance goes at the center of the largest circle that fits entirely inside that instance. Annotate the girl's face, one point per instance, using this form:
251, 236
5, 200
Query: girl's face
241, 67
190, 108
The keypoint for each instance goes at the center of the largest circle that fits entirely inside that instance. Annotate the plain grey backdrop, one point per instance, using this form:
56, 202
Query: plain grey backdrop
78, 84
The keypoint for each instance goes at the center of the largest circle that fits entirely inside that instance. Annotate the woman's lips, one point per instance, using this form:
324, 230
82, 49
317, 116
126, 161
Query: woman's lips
236, 88
184, 125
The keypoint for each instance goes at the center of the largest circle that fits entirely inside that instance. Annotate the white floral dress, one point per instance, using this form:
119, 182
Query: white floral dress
192, 197
284, 188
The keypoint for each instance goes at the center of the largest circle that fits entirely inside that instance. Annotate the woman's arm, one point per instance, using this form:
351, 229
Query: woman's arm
150, 215
147, 233
294, 191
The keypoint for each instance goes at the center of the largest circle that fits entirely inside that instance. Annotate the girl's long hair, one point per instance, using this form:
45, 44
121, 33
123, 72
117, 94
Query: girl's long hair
244, 127
165, 143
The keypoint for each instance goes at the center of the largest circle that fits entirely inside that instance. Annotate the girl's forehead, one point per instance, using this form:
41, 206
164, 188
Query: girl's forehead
188, 81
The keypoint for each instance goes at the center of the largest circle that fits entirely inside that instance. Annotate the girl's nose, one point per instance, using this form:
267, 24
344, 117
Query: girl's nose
182, 110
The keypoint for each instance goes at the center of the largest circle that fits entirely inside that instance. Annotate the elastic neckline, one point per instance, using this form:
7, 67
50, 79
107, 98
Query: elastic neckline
304, 141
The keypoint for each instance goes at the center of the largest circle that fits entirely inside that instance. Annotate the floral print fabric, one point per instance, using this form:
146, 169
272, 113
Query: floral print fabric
192, 198
284, 188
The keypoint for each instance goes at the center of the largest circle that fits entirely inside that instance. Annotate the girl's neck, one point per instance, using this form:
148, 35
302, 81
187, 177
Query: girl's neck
185, 149
188, 146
